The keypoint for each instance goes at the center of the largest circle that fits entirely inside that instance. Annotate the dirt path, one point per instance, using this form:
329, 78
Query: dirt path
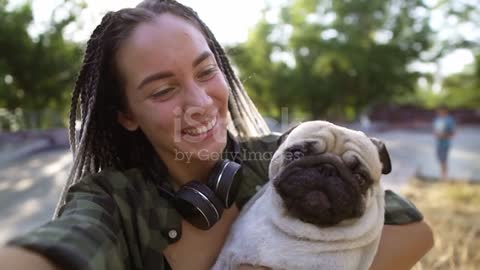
29, 189
414, 153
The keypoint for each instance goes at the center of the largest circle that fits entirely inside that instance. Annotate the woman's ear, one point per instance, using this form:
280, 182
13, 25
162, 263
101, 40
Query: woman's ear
127, 121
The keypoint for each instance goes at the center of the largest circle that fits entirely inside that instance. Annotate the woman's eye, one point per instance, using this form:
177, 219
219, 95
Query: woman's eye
164, 93
207, 74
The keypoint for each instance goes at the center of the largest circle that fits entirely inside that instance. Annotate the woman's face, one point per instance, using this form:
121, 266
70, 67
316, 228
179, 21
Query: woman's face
176, 93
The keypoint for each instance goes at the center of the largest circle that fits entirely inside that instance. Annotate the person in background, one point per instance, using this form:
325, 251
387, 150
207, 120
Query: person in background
444, 130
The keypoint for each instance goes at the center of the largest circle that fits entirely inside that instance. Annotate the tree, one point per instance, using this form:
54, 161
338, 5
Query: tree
344, 55
270, 79
463, 89
35, 72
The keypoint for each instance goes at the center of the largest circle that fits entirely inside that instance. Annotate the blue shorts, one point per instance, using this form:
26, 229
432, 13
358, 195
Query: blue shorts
442, 150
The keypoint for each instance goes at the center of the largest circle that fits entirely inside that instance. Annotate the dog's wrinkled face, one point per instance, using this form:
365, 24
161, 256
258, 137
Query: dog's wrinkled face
323, 172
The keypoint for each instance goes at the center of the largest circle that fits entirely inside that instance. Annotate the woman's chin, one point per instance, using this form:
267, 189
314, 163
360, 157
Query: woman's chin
201, 152
206, 146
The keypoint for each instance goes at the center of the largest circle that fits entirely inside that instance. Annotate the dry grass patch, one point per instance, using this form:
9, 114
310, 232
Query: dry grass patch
453, 212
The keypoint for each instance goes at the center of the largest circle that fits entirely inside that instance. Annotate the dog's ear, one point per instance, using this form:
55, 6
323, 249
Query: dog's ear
284, 136
384, 156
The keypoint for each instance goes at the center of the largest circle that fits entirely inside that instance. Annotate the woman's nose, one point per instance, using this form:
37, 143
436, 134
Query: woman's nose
197, 96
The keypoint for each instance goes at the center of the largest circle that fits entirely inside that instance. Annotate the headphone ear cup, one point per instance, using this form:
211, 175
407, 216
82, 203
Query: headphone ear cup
198, 205
225, 181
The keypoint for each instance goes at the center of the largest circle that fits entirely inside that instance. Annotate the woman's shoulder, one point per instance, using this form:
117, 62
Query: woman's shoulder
148, 219
255, 155
112, 179
267, 142
257, 152
130, 189
117, 185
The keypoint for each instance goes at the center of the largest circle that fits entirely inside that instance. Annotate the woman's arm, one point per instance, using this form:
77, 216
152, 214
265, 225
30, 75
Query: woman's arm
19, 259
88, 234
402, 246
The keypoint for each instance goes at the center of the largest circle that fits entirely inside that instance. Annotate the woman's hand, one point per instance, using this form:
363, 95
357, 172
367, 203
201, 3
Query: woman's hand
402, 246
18, 259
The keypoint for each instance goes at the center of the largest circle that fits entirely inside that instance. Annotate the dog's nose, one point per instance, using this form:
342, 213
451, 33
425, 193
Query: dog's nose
328, 170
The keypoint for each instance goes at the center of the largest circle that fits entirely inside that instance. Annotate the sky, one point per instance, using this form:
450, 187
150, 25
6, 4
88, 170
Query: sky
232, 25
229, 27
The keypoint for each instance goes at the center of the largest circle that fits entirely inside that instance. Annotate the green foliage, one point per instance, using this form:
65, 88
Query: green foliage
342, 56
459, 90
35, 72
463, 89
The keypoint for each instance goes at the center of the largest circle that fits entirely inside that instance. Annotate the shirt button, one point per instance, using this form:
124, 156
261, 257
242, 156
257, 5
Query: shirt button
172, 234
258, 187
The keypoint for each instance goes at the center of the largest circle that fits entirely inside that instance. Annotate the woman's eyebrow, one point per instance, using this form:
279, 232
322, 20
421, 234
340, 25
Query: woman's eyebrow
200, 58
154, 77
167, 74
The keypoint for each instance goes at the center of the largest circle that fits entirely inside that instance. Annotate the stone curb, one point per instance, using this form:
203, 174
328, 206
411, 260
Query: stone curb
23, 150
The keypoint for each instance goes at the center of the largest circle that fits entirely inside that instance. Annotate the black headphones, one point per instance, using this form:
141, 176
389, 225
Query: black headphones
202, 204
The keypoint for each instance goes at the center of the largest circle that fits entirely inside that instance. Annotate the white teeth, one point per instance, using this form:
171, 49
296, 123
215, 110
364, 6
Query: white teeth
210, 125
201, 130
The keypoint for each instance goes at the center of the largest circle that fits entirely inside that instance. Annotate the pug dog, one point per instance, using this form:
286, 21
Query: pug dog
323, 207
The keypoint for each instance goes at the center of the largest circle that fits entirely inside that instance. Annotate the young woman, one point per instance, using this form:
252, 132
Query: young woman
157, 95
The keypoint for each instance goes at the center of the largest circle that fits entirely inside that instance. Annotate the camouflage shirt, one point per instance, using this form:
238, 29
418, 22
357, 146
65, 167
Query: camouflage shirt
118, 220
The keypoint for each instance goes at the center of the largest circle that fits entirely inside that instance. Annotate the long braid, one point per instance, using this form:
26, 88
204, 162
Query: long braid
255, 125
248, 121
73, 117
85, 73
83, 152
80, 159
85, 87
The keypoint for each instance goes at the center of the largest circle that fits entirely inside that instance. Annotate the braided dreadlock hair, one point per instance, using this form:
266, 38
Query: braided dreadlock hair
98, 96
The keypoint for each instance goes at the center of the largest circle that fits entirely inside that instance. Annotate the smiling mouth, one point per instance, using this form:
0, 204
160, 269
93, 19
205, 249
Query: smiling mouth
197, 131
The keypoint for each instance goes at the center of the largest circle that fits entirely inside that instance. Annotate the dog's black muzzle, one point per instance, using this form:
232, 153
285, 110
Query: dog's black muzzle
320, 189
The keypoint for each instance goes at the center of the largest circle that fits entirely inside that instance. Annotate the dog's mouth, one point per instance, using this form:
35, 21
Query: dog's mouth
322, 190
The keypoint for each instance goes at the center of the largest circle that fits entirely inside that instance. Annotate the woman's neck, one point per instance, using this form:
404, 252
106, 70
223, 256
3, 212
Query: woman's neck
183, 172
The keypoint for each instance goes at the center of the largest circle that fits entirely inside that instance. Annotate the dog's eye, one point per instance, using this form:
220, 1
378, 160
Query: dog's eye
296, 153
361, 179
